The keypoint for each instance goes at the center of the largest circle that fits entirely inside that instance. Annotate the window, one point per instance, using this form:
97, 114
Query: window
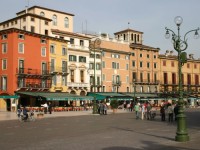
81, 43
103, 64
42, 14
154, 56
4, 48
82, 59
52, 49
3, 83
4, 36
21, 48
52, 65
64, 51
172, 63
32, 19
43, 51
164, 63
4, 64
115, 65
127, 67
98, 56
54, 19
188, 65
173, 78
98, 66
103, 53
71, 41
43, 41
103, 77
127, 57
155, 77
72, 58
64, 66
140, 55
195, 66
82, 76
127, 79
21, 66
147, 55
148, 65
64, 80
21, 36
32, 29
155, 65
72, 75
148, 77
165, 78
141, 77
46, 23
141, 64
24, 28
66, 22
44, 68
54, 80
91, 65
133, 63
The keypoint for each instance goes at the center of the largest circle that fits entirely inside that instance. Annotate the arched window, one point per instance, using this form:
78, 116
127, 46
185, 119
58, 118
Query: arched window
54, 20
66, 22
42, 14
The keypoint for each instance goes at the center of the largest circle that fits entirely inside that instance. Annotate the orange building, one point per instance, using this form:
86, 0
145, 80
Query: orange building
24, 60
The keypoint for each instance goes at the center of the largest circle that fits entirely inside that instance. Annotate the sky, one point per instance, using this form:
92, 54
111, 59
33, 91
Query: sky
110, 16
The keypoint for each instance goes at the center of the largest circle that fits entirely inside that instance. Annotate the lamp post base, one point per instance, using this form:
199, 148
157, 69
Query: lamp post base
181, 134
182, 138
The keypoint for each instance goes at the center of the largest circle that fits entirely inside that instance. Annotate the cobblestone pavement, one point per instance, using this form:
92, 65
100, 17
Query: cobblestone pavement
84, 131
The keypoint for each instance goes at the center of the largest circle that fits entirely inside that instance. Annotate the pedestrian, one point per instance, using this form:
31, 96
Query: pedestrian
176, 111
105, 109
170, 112
148, 111
137, 109
50, 108
101, 107
143, 108
45, 107
162, 112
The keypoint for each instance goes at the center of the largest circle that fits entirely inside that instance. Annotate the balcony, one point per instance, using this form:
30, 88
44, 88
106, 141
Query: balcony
147, 82
34, 86
59, 70
116, 83
32, 73
78, 85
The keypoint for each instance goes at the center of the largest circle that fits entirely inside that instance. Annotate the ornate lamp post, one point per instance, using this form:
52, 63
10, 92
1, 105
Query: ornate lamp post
94, 44
180, 46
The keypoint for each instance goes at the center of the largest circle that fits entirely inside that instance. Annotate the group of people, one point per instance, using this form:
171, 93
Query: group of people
146, 111
22, 110
171, 110
102, 108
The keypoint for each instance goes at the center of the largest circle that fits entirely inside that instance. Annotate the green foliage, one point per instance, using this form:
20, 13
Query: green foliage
114, 104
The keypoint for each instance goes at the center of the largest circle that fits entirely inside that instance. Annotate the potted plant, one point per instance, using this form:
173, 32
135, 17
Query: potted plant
114, 105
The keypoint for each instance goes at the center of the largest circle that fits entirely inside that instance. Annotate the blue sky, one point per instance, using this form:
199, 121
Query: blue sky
110, 16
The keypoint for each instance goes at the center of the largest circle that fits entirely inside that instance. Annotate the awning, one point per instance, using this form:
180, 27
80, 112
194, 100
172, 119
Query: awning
109, 96
9, 96
142, 95
52, 96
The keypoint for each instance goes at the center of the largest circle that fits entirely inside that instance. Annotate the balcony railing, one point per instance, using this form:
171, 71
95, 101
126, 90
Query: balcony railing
34, 85
116, 83
78, 84
138, 81
30, 71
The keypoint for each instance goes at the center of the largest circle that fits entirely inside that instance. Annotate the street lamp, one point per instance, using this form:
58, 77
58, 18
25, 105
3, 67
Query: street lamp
94, 44
180, 46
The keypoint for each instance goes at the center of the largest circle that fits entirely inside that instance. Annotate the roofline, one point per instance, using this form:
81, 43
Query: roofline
24, 15
69, 33
36, 34
23, 11
127, 30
